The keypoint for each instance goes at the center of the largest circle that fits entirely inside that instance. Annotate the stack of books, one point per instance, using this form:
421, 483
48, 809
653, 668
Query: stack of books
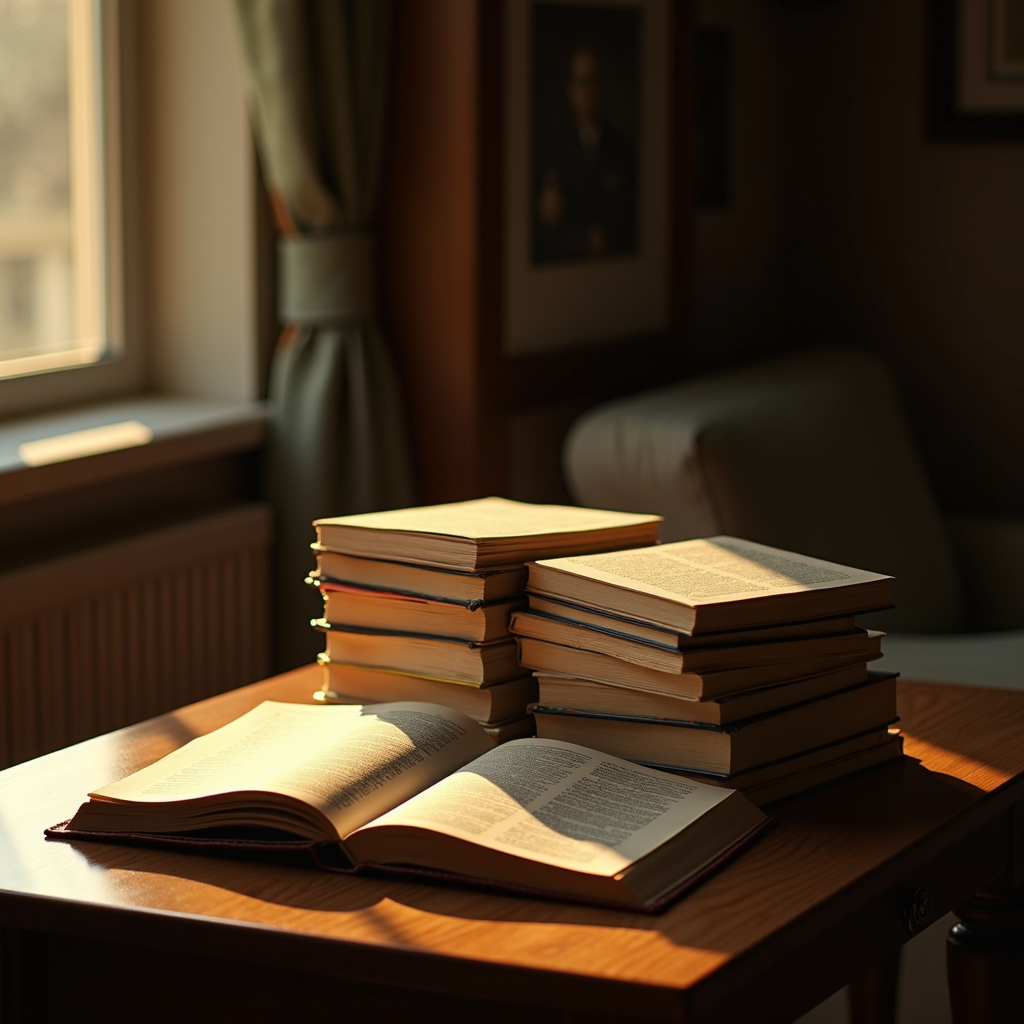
418, 602
734, 662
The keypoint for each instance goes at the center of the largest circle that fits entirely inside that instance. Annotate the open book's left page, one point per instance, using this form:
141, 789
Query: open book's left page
346, 764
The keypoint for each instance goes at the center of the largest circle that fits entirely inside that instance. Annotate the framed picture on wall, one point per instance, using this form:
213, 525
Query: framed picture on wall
588, 180
975, 53
537, 262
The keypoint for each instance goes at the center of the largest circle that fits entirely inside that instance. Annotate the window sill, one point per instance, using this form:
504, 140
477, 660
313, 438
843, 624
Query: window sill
185, 430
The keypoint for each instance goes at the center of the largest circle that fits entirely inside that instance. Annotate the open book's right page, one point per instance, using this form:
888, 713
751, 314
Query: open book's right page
559, 804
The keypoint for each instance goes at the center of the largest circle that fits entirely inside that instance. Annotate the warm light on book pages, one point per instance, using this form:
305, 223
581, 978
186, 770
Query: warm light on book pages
80, 443
419, 790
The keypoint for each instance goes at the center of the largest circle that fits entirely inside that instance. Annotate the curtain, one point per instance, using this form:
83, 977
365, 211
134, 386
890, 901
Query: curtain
316, 75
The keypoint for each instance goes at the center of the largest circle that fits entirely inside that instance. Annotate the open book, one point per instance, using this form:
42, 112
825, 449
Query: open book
419, 789
710, 584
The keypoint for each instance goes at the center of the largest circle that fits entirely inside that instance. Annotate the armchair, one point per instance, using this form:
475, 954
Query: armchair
811, 452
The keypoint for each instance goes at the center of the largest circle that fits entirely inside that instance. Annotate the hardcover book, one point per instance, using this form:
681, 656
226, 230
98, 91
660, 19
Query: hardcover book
727, 749
468, 661
358, 684
809, 769
421, 580
359, 608
619, 625
542, 656
857, 644
585, 695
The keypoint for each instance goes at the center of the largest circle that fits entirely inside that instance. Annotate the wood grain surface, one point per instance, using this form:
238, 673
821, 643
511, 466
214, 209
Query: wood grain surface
838, 856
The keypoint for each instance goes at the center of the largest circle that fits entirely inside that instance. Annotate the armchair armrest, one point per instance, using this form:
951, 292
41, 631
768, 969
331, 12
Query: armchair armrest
990, 553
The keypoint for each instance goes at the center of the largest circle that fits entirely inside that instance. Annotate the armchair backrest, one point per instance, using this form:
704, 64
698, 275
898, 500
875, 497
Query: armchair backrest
808, 452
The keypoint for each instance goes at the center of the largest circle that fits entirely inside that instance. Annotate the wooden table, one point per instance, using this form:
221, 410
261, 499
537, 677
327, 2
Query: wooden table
104, 932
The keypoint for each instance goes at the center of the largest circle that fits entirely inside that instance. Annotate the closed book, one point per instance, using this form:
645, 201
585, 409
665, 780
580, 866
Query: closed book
619, 625
584, 695
492, 661
542, 656
711, 584
828, 772
422, 580
419, 791
360, 608
513, 729
861, 644
810, 770
499, 702
807, 760
484, 532
727, 749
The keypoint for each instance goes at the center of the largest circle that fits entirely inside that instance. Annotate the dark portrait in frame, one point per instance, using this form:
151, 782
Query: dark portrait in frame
585, 122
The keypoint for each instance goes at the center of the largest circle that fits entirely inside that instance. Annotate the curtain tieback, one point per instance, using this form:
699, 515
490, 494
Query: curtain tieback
326, 278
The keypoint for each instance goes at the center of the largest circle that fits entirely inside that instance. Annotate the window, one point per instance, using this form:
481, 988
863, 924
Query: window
60, 310
153, 88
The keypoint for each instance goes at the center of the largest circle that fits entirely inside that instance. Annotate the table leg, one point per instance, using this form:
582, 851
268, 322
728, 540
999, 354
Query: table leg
871, 998
22, 977
985, 959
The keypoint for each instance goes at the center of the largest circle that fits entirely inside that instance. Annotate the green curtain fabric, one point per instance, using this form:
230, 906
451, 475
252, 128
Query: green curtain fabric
316, 76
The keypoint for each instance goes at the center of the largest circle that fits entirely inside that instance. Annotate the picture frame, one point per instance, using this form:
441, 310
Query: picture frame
975, 78
587, 230
481, 411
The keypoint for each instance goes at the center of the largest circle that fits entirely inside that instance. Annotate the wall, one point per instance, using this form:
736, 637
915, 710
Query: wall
911, 248
736, 280
198, 197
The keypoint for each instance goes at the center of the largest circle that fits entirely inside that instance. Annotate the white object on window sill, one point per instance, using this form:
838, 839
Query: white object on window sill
78, 443
181, 430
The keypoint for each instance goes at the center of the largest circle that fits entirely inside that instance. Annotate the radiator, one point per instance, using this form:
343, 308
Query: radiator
103, 638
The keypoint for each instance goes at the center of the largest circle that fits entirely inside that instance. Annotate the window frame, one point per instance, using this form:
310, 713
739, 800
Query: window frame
120, 370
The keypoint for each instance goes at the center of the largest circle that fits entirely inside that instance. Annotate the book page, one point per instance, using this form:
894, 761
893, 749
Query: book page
560, 804
711, 569
350, 763
485, 518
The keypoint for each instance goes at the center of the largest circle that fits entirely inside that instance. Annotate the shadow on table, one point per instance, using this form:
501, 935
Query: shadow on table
291, 880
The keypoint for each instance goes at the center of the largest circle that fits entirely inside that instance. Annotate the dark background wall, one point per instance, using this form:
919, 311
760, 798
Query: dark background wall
848, 226
737, 274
